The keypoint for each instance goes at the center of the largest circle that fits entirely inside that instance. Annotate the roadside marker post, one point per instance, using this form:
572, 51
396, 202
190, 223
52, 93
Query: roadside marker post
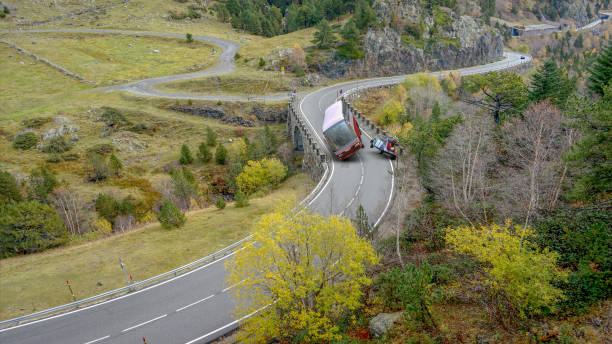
70, 289
144, 340
127, 280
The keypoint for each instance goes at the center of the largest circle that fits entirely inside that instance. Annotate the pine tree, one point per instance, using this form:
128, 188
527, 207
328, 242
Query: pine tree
204, 153
211, 137
364, 14
241, 199
9, 189
221, 155
550, 82
115, 165
350, 32
601, 71
170, 216
186, 157
42, 182
325, 36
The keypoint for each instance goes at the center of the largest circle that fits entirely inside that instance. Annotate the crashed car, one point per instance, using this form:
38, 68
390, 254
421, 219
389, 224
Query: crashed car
385, 145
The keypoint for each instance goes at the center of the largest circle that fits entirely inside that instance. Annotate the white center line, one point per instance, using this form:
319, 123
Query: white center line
195, 303
231, 286
144, 323
97, 340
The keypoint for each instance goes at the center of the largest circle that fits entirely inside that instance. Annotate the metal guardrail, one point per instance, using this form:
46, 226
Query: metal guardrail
132, 287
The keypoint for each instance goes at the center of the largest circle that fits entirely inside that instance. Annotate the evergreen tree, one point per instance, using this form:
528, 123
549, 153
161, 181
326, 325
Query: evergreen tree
601, 71
204, 153
350, 32
170, 216
220, 204
325, 36
221, 155
211, 137
186, 157
28, 227
550, 82
115, 165
593, 154
9, 189
42, 183
578, 43
364, 15
241, 199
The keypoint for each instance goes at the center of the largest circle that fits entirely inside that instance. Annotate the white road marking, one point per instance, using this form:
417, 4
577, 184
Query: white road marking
126, 295
97, 340
195, 303
358, 186
144, 323
224, 327
231, 286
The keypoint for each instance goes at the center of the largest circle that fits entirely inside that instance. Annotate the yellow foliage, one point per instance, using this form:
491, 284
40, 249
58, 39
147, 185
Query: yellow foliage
422, 80
237, 151
261, 174
148, 218
400, 93
301, 274
391, 113
513, 264
193, 204
102, 225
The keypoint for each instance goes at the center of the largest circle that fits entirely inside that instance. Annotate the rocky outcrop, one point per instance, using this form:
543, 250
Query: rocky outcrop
381, 323
269, 115
446, 41
216, 114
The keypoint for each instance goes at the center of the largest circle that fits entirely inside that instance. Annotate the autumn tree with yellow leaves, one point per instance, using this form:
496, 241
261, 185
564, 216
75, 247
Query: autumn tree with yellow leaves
517, 271
302, 273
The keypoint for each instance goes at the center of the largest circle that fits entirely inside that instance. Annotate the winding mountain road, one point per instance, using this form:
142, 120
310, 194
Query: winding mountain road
196, 307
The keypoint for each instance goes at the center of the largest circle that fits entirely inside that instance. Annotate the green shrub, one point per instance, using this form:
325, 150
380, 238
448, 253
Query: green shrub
6, 10
36, 122
410, 290
220, 204
189, 37
57, 145
28, 227
241, 199
98, 168
299, 72
170, 216
582, 237
204, 153
221, 154
9, 189
71, 156
25, 141
102, 149
262, 62
114, 165
41, 184
186, 156
114, 118
237, 56
211, 137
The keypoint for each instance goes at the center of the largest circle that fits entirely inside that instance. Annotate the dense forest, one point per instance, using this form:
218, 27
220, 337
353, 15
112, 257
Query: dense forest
274, 17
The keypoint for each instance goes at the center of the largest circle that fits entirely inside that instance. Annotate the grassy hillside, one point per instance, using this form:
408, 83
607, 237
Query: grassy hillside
111, 59
146, 252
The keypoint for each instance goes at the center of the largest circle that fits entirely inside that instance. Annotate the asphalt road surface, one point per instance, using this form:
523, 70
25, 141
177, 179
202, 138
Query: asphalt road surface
196, 307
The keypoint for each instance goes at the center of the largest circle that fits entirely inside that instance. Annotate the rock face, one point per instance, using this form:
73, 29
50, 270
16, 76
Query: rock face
216, 114
446, 41
381, 323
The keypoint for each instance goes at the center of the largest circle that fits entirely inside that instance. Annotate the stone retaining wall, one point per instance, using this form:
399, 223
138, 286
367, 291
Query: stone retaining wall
53, 65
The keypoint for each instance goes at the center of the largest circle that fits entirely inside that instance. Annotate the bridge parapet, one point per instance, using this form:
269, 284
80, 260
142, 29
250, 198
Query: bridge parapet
371, 128
304, 139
